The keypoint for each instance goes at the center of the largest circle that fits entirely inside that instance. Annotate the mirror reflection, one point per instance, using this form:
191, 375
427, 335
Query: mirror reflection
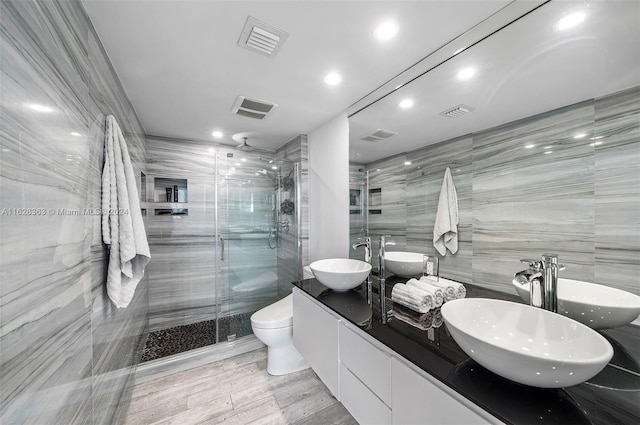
539, 124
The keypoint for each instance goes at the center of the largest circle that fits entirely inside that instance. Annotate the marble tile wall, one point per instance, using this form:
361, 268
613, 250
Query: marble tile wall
68, 355
387, 203
526, 202
298, 150
581, 201
617, 190
182, 269
424, 181
357, 208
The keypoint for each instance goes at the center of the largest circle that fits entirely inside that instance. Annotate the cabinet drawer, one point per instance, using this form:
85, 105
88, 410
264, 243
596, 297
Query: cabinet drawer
419, 400
363, 405
368, 363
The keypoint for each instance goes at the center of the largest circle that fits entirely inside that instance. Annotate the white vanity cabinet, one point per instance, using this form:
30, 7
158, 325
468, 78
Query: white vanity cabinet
315, 335
374, 383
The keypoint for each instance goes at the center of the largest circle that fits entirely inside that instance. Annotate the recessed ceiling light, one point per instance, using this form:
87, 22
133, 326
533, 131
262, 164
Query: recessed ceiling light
580, 136
212, 149
243, 159
547, 152
237, 164
407, 163
596, 144
466, 73
333, 78
570, 21
217, 134
529, 146
386, 31
274, 167
547, 147
39, 108
75, 133
406, 103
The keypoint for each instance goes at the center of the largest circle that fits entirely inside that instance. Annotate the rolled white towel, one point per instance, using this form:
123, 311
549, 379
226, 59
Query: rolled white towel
436, 293
412, 298
432, 295
438, 320
460, 290
450, 293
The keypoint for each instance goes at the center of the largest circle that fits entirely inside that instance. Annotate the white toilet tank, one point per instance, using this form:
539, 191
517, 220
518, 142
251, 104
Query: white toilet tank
276, 315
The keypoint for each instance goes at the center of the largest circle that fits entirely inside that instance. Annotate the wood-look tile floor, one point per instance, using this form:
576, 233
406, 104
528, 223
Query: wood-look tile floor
236, 391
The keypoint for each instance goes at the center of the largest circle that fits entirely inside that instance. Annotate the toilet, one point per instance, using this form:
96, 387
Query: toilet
273, 325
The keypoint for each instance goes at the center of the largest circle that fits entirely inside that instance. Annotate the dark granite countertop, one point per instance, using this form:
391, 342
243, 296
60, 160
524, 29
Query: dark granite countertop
611, 397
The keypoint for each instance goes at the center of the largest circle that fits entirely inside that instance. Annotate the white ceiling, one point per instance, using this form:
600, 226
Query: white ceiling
182, 69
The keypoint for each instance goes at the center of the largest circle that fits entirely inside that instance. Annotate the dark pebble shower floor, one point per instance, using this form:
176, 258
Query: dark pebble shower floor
167, 342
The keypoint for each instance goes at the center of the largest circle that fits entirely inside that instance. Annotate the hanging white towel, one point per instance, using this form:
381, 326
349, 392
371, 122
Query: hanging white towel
445, 231
122, 225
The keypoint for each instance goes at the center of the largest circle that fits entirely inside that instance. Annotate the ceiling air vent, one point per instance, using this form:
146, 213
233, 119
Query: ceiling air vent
261, 38
252, 108
379, 134
457, 111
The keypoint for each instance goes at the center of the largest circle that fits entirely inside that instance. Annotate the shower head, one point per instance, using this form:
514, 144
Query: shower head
244, 146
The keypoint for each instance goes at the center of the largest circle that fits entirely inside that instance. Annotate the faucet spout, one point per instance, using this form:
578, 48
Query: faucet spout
542, 277
551, 268
366, 244
382, 274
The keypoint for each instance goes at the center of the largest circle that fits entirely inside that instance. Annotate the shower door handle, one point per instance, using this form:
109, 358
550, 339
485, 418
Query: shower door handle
221, 248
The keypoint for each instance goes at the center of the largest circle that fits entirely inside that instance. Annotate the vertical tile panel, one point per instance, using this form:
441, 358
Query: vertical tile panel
424, 183
182, 270
617, 190
390, 201
45, 296
526, 202
68, 356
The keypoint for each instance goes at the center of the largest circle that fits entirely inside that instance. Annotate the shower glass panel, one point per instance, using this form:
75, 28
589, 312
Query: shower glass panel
256, 221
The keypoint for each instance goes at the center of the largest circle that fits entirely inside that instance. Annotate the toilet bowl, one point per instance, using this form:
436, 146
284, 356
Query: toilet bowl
273, 325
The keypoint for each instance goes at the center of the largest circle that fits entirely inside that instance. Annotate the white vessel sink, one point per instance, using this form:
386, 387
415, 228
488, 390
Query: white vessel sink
340, 274
404, 264
597, 306
525, 344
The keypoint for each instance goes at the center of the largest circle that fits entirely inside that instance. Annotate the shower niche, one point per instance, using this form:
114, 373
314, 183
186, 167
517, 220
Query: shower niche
172, 196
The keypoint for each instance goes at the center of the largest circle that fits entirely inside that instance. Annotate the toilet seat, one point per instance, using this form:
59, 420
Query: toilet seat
274, 316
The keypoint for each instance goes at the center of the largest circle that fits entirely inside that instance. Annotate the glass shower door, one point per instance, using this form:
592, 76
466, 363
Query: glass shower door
247, 213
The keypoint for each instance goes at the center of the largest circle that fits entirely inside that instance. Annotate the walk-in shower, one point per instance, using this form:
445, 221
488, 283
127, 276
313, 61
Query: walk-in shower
233, 249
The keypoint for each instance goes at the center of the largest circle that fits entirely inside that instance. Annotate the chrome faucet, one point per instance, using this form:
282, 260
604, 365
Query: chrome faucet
543, 279
366, 244
381, 274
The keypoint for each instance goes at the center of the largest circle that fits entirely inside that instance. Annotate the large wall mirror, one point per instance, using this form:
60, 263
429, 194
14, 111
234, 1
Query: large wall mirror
539, 123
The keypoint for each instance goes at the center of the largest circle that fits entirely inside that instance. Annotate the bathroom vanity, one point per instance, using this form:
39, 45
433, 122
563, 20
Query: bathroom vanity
395, 373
